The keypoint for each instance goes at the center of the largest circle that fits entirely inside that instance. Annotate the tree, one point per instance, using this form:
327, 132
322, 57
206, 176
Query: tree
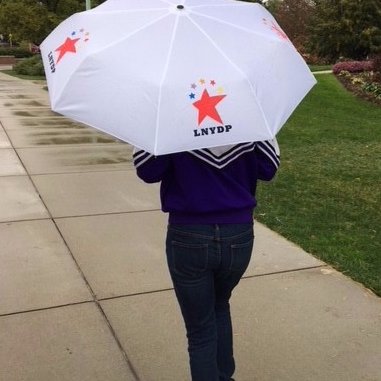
51, 5
33, 20
65, 8
272, 5
25, 20
294, 17
346, 28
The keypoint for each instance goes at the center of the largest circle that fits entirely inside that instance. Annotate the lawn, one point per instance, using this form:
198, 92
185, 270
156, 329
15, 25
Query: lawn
320, 67
327, 194
29, 77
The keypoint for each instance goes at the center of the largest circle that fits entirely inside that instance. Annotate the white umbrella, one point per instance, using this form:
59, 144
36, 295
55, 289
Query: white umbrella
170, 76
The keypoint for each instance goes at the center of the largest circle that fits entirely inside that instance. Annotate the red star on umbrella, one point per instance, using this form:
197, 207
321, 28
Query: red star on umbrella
67, 46
207, 107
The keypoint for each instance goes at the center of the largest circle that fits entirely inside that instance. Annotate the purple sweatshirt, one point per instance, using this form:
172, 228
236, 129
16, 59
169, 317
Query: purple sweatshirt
202, 187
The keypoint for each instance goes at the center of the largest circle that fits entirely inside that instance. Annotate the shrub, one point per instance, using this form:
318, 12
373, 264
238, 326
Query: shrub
312, 59
377, 63
344, 73
30, 66
373, 88
16, 52
352, 66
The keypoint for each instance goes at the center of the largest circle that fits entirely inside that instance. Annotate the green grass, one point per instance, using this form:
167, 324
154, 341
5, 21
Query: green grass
327, 194
320, 67
30, 77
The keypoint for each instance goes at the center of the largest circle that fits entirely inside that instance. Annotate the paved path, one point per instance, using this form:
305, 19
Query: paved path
322, 72
84, 290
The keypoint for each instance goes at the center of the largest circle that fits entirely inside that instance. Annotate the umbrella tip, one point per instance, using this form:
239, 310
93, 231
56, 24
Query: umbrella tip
180, 7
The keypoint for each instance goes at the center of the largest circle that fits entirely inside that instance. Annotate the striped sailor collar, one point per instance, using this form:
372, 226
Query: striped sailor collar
221, 156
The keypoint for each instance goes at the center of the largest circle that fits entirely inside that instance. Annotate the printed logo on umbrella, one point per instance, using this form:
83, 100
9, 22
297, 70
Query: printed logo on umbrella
207, 95
275, 28
68, 47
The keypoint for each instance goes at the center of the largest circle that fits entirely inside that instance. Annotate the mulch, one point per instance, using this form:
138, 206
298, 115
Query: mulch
358, 91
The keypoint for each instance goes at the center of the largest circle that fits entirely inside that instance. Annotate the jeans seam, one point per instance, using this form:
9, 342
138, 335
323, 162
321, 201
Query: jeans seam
191, 234
203, 246
209, 237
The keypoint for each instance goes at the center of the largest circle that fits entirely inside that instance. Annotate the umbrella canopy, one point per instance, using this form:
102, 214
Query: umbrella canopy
170, 76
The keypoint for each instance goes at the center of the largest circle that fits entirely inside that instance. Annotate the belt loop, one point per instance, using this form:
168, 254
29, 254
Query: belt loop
217, 232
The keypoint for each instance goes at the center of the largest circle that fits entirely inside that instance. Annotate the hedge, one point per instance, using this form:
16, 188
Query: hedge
30, 66
16, 52
352, 66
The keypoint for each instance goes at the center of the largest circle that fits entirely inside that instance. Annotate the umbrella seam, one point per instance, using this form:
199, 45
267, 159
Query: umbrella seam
165, 71
50, 83
166, 2
129, 35
94, 53
238, 27
126, 11
235, 4
239, 70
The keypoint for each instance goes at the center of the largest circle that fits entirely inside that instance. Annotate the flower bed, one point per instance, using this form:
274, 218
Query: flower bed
362, 78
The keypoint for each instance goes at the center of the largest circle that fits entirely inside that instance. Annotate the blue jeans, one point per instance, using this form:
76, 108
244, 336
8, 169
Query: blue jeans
206, 262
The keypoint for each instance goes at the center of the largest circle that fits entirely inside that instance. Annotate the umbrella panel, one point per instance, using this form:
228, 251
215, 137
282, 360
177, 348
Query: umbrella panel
169, 80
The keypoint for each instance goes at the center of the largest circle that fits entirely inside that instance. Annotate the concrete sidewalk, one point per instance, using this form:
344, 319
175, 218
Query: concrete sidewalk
84, 290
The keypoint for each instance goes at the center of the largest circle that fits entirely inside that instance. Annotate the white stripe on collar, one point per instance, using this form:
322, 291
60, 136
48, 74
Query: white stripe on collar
220, 157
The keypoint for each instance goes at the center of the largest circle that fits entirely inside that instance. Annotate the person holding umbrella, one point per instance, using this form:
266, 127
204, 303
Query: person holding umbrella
203, 74
210, 197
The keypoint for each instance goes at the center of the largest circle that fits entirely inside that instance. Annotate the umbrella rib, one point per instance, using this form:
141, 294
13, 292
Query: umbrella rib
133, 32
92, 12
167, 2
236, 67
165, 71
114, 43
234, 25
235, 4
